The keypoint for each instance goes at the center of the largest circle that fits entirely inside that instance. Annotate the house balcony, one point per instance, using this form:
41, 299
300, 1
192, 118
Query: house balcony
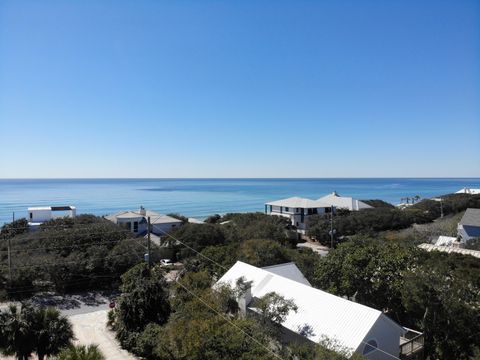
411, 345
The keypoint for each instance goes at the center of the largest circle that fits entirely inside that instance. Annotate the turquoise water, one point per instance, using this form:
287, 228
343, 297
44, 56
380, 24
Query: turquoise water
202, 197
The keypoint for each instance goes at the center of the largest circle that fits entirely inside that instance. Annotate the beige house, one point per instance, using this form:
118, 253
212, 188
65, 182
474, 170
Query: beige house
137, 221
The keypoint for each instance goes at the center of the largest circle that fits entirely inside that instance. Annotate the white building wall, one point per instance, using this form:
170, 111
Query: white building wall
39, 215
387, 335
161, 229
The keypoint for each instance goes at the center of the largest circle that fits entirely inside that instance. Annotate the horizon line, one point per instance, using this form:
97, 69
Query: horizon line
242, 178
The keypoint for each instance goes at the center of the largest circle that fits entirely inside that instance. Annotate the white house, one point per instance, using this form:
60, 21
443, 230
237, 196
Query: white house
344, 202
297, 209
137, 221
468, 191
469, 225
40, 214
350, 327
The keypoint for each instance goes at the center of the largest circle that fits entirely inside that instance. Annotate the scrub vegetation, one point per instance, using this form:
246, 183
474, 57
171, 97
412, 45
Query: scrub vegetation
377, 264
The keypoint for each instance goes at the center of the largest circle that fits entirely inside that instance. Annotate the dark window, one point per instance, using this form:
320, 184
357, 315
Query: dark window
129, 225
31, 216
328, 210
135, 226
286, 209
370, 346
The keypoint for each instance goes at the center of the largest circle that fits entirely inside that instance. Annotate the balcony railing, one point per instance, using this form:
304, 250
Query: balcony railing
411, 345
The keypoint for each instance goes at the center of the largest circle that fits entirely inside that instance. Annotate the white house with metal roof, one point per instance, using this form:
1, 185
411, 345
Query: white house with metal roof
297, 209
350, 327
137, 221
469, 225
344, 202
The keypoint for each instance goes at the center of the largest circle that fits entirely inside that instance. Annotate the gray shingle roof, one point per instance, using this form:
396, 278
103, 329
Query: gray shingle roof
471, 218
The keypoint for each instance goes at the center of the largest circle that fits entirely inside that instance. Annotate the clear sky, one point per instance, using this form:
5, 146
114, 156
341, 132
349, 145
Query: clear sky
333, 88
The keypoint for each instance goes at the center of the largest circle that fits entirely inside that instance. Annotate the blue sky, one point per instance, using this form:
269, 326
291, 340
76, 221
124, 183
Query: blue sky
257, 88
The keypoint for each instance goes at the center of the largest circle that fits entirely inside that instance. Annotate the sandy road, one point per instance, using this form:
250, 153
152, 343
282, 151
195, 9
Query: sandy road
91, 328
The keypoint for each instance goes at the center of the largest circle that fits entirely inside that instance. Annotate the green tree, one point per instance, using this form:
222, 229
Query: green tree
52, 331
16, 334
369, 270
274, 309
81, 352
30, 329
144, 300
441, 296
262, 253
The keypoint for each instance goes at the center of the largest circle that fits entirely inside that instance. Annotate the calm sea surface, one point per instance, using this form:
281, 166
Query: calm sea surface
202, 197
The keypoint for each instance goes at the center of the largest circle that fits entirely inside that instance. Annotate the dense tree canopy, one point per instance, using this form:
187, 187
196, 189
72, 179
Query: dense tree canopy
144, 300
436, 293
67, 254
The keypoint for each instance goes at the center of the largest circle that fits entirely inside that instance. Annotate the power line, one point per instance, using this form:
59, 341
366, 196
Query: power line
224, 317
74, 262
68, 246
223, 267
196, 251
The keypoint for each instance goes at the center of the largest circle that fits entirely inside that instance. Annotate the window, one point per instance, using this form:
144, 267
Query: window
129, 226
370, 346
31, 216
286, 209
135, 226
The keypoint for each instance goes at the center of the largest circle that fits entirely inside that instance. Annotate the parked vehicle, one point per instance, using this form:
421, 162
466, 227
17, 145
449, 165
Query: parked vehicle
166, 262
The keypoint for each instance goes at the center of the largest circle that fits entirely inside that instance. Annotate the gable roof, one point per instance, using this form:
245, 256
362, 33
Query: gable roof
344, 202
470, 191
164, 219
155, 218
289, 271
471, 217
345, 322
298, 202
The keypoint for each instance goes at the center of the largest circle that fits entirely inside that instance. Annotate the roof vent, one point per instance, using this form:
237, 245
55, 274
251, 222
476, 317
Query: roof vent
142, 211
334, 193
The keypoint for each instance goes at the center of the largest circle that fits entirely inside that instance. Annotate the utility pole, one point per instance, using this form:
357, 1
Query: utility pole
331, 226
441, 205
13, 216
148, 243
9, 260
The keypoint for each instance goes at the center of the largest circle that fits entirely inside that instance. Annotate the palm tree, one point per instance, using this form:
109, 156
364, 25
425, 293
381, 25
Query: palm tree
81, 352
52, 332
16, 335
27, 329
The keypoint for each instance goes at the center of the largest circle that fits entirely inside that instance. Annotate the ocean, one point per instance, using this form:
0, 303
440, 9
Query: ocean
202, 197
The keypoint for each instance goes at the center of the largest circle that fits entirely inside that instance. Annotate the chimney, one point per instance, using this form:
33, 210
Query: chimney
244, 298
142, 211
